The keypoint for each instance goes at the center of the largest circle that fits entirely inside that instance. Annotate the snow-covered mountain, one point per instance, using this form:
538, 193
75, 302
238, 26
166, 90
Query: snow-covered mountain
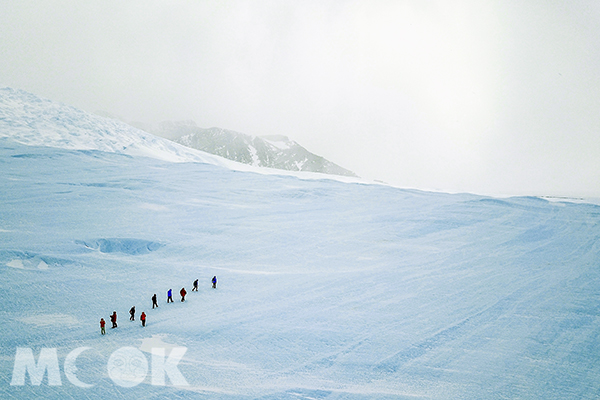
265, 151
326, 289
31, 120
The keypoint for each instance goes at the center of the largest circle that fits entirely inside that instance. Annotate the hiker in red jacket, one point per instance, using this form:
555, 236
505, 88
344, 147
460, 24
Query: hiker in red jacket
182, 292
113, 319
143, 318
102, 325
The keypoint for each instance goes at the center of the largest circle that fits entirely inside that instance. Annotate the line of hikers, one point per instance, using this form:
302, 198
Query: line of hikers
182, 292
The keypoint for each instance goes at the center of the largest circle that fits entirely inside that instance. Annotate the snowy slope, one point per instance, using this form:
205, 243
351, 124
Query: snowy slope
31, 120
327, 290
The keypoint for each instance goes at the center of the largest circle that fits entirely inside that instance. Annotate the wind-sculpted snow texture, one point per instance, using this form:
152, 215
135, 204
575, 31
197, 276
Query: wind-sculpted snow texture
327, 290
121, 245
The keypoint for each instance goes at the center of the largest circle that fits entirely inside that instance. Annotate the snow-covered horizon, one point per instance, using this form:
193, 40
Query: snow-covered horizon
32, 120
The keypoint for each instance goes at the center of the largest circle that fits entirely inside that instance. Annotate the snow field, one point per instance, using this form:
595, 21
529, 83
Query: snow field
327, 290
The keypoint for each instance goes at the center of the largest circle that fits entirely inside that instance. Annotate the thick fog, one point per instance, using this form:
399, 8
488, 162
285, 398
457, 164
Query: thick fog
487, 97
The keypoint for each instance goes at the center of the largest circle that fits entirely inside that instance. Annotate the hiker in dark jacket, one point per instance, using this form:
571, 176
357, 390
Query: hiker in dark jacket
132, 314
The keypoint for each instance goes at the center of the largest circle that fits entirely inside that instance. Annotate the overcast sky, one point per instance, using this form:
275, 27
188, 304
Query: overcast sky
490, 97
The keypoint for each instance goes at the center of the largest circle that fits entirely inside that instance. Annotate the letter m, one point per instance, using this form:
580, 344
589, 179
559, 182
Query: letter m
24, 362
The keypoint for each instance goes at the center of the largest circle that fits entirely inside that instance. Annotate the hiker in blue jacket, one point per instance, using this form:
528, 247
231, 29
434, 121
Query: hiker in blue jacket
169, 296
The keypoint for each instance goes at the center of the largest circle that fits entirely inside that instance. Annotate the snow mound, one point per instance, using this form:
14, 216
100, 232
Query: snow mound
29, 261
126, 246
